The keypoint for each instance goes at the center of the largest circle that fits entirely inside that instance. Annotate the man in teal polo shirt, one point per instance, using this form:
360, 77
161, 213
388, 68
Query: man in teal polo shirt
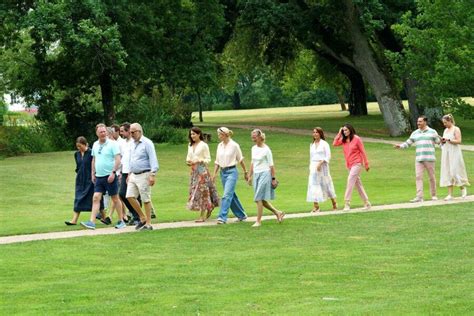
105, 163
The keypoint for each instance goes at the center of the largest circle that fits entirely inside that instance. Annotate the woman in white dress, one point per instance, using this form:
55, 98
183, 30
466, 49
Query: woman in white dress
203, 195
453, 170
320, 185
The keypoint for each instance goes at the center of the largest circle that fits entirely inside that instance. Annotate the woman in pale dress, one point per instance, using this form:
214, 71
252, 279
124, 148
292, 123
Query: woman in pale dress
453, 170
320, 185
262, 177
202, 191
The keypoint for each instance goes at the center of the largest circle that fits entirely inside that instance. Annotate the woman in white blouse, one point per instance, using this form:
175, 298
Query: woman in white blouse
262, 177
203, 196
320, 185
227, 157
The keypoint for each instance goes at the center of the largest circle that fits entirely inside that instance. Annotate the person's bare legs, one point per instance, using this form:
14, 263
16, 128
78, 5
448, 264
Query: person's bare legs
259, 213
117, 204
75, 217
95, 205
270, 207
334, 204
148, 212
315, 207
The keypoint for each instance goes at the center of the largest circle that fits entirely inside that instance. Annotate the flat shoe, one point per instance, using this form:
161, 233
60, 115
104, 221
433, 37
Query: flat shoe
68, 223
257, 224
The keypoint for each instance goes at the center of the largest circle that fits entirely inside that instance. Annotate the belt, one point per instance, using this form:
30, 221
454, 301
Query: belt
228, 168
143, 171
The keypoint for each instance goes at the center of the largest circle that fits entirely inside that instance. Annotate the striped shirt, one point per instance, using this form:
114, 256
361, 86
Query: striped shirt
424, 141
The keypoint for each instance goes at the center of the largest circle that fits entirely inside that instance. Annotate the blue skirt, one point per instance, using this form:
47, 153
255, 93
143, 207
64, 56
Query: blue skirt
262, 186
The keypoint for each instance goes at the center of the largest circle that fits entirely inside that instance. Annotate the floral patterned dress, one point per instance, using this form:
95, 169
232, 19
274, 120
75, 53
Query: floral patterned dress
202, 191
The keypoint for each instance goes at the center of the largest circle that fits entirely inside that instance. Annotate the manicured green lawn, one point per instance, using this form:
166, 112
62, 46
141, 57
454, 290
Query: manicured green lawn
37, 191
416, 261
329, 117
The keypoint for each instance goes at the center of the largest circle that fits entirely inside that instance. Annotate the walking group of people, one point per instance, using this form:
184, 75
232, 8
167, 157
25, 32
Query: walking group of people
125, 168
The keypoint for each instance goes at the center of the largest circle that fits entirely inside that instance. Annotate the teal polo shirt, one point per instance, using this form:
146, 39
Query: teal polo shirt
104, 157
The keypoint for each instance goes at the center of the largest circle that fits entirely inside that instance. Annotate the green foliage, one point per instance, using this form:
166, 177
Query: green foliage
17, 140
458, 107
439, 49
3, 110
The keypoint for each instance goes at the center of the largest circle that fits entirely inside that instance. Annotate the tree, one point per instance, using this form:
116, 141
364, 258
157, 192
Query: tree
80, 52
343, 32
438, 50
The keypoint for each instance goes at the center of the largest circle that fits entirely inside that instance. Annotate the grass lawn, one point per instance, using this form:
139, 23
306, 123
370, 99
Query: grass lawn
416, 261
329, 117
37, 191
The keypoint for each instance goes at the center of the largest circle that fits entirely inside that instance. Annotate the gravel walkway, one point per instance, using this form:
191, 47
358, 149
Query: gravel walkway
112, 231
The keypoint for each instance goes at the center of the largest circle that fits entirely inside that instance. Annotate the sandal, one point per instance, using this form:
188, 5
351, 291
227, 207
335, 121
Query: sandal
316, 210
280, 217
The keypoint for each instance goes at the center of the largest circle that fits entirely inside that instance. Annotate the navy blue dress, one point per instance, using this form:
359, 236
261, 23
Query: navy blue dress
84, 185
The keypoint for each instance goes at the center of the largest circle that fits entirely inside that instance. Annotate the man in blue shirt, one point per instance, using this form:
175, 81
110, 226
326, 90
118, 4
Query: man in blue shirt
143, 167
105, 163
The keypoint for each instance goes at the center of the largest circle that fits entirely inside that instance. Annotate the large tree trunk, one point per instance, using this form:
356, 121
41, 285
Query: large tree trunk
409, 86
236, 101
200, 105
107, 97
377, 77
358, 97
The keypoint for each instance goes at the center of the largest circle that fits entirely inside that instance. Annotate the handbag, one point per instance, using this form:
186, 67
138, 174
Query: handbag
274, 186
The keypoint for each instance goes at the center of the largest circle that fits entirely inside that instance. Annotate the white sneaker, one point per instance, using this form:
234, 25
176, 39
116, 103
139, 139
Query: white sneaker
347, 207
257, 224
448, 198
434, 198
416, 200
367, 206
464, 193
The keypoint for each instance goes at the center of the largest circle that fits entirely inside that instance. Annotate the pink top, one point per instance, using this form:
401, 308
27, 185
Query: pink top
354, 151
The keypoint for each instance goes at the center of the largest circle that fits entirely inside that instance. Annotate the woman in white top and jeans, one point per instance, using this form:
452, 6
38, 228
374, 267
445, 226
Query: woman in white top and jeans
202, 191
227, 157
262, 172
320, 185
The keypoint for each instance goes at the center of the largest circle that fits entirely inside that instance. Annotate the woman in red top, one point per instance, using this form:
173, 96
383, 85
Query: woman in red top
355, 156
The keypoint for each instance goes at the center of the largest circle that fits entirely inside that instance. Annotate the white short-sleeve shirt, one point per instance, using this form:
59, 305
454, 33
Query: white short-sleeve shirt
262, 158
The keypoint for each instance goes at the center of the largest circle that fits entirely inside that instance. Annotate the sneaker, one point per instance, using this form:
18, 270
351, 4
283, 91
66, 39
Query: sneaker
120, 224
147, 227
347, 207
140, 225
448, 198
257, 224
106, 221
243, 219
416, 200
220, 222
464, 193
88, 225
434, 198
367, 206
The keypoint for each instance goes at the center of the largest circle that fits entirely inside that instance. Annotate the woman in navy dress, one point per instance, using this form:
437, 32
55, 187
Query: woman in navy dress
84, 184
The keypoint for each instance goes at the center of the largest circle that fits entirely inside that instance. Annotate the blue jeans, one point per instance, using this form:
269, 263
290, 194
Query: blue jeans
229, 179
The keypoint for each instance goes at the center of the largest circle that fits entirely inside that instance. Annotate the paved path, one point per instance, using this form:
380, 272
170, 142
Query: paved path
297, 131
129, 229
